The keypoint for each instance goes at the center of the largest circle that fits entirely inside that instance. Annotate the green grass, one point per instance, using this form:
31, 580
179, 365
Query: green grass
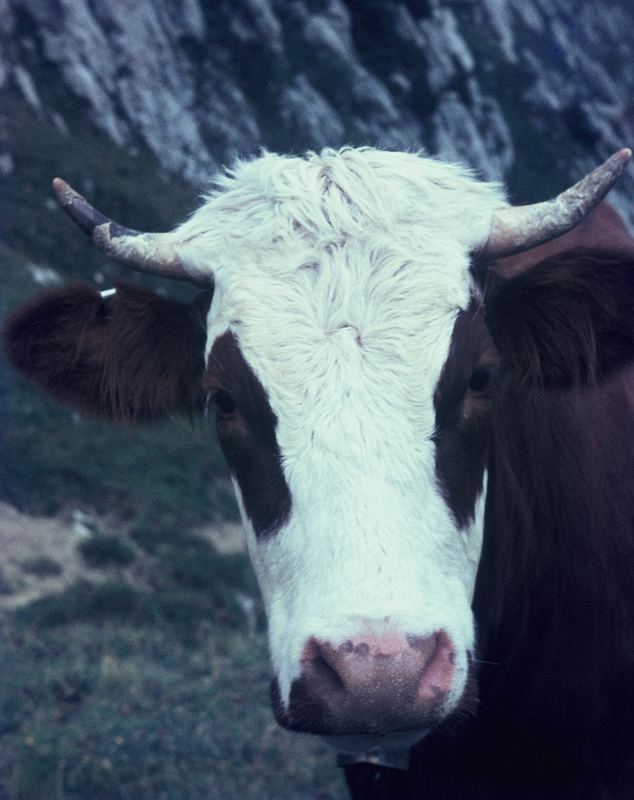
6, 586
42, 566
120, 712
185, 581
101, 550
109, 691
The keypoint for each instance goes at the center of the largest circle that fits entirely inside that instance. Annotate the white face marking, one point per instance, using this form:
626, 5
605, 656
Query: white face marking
472, 536
341, 277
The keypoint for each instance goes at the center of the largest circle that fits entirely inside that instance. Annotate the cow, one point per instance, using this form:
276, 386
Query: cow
430, 437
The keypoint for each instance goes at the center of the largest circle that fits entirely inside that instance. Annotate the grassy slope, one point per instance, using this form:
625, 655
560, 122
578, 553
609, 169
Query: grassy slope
134, 713
52, 457
150, 688
112, 691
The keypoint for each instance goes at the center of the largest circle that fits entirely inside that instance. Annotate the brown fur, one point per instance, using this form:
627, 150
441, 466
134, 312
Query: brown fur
132, 357
247, 435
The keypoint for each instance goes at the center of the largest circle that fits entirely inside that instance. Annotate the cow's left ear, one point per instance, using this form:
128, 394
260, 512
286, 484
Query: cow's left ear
567, 321
130, 356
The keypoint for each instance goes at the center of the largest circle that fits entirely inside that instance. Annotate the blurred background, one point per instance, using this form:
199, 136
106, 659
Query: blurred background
133, 660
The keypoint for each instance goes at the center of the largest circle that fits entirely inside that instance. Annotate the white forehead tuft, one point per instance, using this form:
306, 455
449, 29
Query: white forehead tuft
274, 203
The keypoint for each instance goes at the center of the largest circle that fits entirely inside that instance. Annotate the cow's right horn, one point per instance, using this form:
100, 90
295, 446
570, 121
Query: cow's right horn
153, 253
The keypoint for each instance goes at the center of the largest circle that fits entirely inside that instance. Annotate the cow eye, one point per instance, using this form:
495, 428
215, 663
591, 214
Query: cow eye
479, 380
224, 402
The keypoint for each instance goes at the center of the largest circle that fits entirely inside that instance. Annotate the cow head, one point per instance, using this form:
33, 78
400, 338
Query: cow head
343, 344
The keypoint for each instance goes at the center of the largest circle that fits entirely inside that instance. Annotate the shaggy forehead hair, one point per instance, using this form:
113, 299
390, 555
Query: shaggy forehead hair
331, 198
354, 236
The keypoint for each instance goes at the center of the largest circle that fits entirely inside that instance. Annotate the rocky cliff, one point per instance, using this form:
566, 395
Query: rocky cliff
532, 92
137, 103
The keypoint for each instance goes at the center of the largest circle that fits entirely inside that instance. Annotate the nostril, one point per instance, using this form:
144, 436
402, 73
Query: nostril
425, 645
416, 642
325, 674
320, 666
438, 672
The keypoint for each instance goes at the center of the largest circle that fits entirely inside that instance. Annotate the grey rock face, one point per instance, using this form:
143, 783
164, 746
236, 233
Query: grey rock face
525, 91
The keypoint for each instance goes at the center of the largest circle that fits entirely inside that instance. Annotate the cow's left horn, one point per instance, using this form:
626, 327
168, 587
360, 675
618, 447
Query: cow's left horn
523, 227
153, 253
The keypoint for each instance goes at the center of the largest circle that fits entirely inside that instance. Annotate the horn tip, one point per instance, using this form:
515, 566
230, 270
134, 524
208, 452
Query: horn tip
59, 186
621, 157
64, 192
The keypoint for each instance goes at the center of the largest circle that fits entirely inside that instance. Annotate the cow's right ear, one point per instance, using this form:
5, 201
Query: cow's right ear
127, 357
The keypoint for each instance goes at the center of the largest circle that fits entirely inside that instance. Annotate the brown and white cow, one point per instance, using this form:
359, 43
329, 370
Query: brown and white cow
365, 368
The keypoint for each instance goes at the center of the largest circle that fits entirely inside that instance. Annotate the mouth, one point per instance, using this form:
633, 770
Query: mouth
374, 728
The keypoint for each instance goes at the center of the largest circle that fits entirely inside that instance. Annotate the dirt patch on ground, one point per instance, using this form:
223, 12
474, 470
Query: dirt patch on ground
25, 541
226, 537
39, 555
